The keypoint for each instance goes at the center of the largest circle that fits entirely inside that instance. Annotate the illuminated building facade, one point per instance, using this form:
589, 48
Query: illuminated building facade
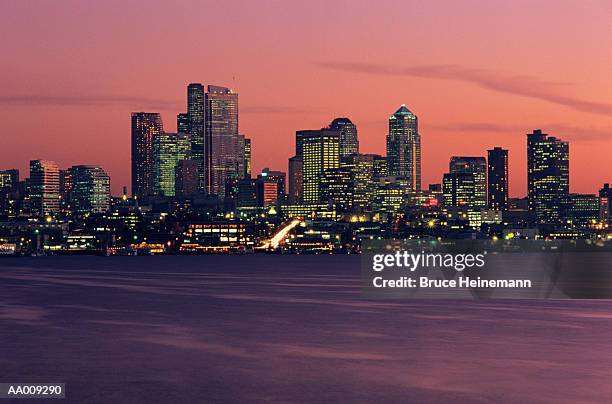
320, 152
195, 127
473, 196
497, 179
90, 190
336, 187
349, 142
580, 210
270, 187
44, 188
547, 175
168, 150
404, 147
223, 158
145, 126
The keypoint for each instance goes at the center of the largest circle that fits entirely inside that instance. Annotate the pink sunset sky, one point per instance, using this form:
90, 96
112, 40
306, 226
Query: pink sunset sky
477, 73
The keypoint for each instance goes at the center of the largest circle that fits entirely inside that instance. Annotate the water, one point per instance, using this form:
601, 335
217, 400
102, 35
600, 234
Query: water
284, 328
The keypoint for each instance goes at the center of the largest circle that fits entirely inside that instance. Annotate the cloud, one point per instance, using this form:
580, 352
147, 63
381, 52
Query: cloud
86, 101
525, 86
562, 130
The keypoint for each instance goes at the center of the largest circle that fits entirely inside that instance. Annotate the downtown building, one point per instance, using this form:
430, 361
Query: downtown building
547, 176
349, 142
404, 147
497, 179
223, 157
89, 190
44, 188
145, 126
168, 150
192, 123
319, 151
465, 185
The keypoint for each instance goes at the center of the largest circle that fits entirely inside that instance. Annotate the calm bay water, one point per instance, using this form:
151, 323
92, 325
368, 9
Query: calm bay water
284, 328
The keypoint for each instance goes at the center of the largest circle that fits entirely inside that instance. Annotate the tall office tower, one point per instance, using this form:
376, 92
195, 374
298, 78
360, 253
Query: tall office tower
381, 169
497, 179
336, 187
364, 178
44, 188
404, 147
182, 123
244, 157
168, 150
476, 166
186, 178
349, 143
90, 190
195, 116
320, 152
65, 190
222, 157
295, 180
247, 158
246, 193
547, 175
145, 126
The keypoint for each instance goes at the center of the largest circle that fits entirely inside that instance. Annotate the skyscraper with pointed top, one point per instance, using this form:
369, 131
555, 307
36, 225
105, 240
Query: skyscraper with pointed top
404, 147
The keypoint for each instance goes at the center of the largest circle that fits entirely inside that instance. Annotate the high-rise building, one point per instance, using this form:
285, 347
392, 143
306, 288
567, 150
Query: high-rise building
295, 180
145, 126
168, 150
247, 158
182, 123
364, 178
547, 175
195, 115
336, 187
349, 143
404, 147
90, 190
44, 188
186, 178
605, 205
477, 167
320, 152
265, 196
222, 157
244, 157
464, 186
497, 179
270, 187
246, 193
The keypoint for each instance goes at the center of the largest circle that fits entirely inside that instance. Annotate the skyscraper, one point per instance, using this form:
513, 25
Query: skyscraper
465, 184
168, 150
270, 187
349, 143
547, 175
497, 179
195, 127
320, 152
295, 179
222, 157
145, 126
44, 188
404, 147
90, 190
244, 157
336, 187
364, 178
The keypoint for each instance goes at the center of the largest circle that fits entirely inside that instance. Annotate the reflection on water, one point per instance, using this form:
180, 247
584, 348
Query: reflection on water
284, 328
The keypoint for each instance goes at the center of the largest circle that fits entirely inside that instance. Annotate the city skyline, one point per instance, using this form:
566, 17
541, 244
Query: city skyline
474, 85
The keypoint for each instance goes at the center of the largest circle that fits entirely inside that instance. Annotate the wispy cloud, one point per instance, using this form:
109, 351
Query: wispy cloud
520, 85
569, 132
86, 101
